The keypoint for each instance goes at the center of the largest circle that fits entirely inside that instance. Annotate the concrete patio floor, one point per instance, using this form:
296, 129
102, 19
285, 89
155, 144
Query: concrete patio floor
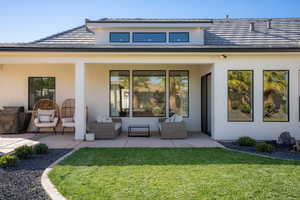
9, 142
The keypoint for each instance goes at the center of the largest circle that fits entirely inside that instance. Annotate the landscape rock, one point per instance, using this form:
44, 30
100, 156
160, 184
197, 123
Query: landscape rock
286, 140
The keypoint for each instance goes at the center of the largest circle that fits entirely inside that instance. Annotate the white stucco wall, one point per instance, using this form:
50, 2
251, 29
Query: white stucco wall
257, 129
98, 92
196, 35
14, 81
14, 84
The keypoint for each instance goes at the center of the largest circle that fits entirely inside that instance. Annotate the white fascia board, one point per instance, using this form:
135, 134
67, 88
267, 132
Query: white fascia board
147, 25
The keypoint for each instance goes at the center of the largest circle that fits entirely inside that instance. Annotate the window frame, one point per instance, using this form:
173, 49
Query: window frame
110, 37
188, 95
29, 90
288, 94
188, 37
133, 37
132, 91
252, 95
129, 85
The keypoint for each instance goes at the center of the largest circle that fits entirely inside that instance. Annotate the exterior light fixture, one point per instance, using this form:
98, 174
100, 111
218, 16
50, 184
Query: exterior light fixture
223, 56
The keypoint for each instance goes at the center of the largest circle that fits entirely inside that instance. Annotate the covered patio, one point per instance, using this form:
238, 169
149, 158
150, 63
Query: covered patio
87, 81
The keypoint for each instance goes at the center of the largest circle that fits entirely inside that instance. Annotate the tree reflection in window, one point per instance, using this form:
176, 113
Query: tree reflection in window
149, 93
40, 88
276, 98
179, 92
119, 93
240, 83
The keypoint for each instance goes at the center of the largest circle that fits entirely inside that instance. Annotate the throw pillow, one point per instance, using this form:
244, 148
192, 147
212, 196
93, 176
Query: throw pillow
45, 118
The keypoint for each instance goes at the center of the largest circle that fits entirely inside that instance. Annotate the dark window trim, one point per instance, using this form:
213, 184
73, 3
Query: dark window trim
252, 95
188, 37
110, 37
204, 98
133, 37
110, 71
132, 102
288, 95
188, 73
28, 94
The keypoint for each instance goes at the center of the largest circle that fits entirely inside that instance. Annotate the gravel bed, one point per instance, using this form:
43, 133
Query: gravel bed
23, 181
281, 153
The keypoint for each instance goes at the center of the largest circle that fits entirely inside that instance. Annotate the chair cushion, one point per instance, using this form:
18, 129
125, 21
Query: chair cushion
67, 120
178, 118
46, 115
175, 118
102, 119
117, 126
39, 124
171, 119
68, 124
45, 118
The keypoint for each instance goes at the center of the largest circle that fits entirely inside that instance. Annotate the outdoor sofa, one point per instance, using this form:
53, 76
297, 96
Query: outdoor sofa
172, 128
106, 129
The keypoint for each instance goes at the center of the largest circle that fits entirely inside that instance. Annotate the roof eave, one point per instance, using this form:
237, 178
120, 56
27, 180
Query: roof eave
148, 21
134, 50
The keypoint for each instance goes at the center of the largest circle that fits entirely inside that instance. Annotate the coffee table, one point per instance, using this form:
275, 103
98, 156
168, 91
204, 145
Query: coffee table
133, 133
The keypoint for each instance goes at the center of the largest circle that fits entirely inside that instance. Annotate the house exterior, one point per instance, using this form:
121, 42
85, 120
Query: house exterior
227, 77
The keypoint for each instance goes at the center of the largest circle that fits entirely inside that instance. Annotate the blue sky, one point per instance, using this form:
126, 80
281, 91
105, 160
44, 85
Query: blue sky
27, 20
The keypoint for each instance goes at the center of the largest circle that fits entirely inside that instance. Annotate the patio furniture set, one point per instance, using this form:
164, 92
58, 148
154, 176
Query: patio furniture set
46, 114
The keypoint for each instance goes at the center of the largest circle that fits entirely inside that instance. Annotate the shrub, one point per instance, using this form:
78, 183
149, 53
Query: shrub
40, 149
245, 108
264, 147
246, 141
7, 161
24, 152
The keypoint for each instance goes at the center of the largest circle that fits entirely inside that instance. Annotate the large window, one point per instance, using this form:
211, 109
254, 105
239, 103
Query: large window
119, 37
40, 88
154, 37
119, 93
179, 37
240, 95
149, 88
276, 95
179, 92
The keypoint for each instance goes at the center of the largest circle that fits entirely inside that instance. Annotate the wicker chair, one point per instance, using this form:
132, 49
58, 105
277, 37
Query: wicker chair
45, 104
67, 114
172, 130
106, 130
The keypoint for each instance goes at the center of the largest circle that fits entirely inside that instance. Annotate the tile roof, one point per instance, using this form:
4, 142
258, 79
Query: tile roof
221, 33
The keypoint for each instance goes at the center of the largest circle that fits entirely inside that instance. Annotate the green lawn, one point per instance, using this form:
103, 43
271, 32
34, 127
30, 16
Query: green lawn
174, 173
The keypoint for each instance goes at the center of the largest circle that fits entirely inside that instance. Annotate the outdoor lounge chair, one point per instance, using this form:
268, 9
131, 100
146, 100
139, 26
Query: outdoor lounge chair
67, 114
45, 114
106, 130
172, 129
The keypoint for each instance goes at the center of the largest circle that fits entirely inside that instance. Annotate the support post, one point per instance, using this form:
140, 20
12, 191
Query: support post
80, 104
